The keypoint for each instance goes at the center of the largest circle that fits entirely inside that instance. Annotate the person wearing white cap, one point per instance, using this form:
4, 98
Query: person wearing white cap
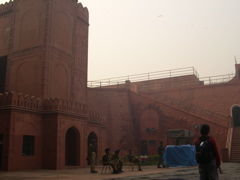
92, 155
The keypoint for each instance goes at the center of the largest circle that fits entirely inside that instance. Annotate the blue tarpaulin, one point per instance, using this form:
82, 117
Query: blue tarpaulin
180, 156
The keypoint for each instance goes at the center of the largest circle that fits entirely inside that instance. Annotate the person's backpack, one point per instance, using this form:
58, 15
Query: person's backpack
203, 150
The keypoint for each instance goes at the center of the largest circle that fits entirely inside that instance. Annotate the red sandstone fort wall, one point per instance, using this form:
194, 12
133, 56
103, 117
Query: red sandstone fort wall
25, 124
170, 118
144, 113
114, 104
46, 48
48, 121
5, 28
217, 98
24, 119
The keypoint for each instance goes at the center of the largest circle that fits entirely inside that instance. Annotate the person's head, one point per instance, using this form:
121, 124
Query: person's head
117, 151
130, 151
161, 142
107, 150
205, 129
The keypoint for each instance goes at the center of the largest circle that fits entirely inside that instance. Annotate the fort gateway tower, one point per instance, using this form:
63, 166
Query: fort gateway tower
44, 118
48, 114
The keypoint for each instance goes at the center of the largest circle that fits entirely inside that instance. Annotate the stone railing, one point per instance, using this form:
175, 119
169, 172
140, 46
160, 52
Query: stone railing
117, 81
229, 138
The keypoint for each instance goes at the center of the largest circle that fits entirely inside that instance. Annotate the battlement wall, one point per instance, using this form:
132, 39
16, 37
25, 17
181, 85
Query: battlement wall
20, 100
64, 105
82, 13
96, 117
13, 99
6, 8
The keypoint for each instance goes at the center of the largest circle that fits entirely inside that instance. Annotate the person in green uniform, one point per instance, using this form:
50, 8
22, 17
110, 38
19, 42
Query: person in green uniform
115, 158
133, 159
107, 160
92, 155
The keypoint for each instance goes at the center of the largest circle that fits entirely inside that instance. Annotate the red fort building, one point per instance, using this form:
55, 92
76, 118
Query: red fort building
49, 112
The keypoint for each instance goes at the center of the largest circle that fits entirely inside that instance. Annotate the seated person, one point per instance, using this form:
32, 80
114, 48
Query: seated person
116, 159
106, 160
133, 159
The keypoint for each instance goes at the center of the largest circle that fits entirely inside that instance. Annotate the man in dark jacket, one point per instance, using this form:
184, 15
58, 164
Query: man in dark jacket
161, 150
207, 170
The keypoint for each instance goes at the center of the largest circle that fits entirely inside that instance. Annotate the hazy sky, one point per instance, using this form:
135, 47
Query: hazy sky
129, 37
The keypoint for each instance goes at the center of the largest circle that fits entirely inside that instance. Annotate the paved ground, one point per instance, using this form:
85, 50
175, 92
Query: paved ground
231, 171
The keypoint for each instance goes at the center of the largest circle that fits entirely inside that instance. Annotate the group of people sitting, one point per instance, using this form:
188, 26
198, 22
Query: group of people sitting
115, 162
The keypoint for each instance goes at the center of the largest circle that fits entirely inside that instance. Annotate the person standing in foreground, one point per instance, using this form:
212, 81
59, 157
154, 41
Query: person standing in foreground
161, 150
92, 155
207, 155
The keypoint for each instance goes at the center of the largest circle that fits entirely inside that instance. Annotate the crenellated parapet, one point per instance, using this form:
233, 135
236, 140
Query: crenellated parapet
31, 103
6, 8
20, 100
64, 105
82, 13
96, 117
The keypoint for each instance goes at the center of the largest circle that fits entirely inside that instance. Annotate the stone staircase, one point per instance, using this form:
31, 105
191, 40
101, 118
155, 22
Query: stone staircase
235, 147
190, 108
208, 115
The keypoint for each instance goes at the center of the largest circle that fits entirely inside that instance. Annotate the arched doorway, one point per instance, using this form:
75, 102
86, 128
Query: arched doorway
72, 147
239, 73
92, 136
1, 150
236, 116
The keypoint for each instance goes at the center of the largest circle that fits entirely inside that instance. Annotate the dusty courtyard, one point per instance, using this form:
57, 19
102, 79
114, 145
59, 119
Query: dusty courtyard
230, 171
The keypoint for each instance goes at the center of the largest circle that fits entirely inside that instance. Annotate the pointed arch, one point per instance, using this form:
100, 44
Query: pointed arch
26, 77
239, 73
91, 136
60, 81
29, 31
235, 113
72, 147
62, 27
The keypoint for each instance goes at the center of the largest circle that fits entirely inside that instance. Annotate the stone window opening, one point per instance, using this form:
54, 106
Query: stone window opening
28, 145
235, 112
152, 143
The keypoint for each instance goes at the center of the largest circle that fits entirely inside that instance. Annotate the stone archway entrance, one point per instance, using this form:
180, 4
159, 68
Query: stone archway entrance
236, 116
72, 147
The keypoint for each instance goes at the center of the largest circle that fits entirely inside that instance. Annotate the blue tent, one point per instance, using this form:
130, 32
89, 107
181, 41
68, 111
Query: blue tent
180, 156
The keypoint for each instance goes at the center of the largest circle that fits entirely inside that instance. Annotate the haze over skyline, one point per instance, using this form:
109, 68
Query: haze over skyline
128, 37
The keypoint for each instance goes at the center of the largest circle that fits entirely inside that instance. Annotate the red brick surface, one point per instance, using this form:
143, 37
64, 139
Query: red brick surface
46, 94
